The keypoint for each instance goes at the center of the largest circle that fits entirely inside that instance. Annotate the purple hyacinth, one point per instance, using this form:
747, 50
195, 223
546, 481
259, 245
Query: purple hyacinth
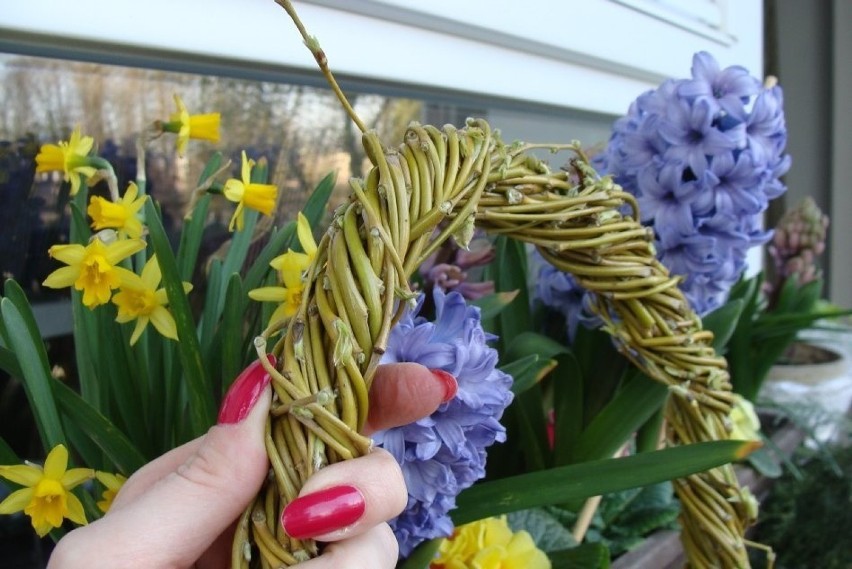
561, 292
704, 157
444, 453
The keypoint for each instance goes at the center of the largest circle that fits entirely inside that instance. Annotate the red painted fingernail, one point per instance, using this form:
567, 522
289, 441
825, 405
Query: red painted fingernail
451, 385
244, 392
323, 512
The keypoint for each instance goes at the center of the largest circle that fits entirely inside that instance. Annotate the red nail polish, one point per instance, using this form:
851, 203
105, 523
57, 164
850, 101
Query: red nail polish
451, 385
244, 392
323, 512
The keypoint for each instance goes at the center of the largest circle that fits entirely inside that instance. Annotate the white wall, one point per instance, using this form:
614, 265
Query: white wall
591, 55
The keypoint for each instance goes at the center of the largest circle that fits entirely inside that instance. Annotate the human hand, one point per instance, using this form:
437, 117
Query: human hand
180, 509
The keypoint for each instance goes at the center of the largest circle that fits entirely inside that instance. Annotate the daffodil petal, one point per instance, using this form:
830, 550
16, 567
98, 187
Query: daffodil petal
22, 474
151, 274
56, 462
16, 501
112, 481
281, 314
69, 254
76, 476
120, 250
131, 192
164, 322
141, 323
306, 236
75, 510
129, 279
62, 277
237, 218
269, 294
246, 169
234, 190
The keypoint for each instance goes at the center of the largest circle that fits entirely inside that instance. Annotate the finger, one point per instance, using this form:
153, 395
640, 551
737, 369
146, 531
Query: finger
153, 472
347, 498
374, 549
179, 516
405, 392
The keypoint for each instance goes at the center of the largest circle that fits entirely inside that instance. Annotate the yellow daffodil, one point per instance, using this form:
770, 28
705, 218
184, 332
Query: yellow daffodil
290, 266
489, 544
69, 157
92, 268
139, 299
245, 194
121, 215
745, 425
201, 127
112, 484
306, 237
46, 497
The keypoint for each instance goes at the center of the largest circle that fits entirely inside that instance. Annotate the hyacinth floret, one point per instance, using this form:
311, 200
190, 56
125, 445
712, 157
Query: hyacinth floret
704, 157
561, 292
444, 453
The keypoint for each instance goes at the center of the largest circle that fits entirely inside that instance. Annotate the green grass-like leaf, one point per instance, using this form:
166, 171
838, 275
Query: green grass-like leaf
25, 341
114, 443
199, 393
580, 481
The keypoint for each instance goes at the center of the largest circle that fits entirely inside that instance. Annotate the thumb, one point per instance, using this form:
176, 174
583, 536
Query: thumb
179, 517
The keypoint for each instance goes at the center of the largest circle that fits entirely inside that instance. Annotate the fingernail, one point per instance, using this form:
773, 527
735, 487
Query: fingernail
323, 512
244, 393
451, 386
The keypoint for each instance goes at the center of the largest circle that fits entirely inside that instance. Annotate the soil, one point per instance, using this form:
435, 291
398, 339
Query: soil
802, 353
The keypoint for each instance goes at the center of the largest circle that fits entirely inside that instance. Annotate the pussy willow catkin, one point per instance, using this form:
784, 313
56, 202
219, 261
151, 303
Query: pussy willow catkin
440, 184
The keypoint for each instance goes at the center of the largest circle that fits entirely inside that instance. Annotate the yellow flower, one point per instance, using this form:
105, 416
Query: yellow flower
745, 425
121, 215
46, 497
244, 193
139, 299
112, 483
201, 127
291, 266
306, 237
92, 269
69, 157
489, 544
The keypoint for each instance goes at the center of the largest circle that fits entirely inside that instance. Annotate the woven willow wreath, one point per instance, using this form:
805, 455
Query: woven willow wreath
455, 179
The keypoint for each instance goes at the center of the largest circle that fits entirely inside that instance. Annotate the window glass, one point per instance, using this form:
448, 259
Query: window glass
301, 131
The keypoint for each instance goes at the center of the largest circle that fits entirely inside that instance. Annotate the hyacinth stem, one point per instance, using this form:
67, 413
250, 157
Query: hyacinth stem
434, 186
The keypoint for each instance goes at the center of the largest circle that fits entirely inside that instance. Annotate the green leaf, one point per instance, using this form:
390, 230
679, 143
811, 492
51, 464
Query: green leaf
315, 207
201, 409
533, 343
580, 481
585, 556
763, 462
9, 362
98, 428
722, 322
509, 272
7, 455
232, 333
28, 346
422, 555
190, 237
279, 241
547, 532
568, 386
629, 409
527, 371
493, 304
